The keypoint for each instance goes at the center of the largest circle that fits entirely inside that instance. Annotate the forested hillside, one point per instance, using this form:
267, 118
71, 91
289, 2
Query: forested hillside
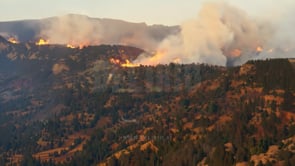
63, 106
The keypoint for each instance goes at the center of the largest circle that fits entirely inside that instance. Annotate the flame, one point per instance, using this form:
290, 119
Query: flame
177, 60
129, 64
42, 42
70, 46
236, 52
259, 49
115, 61
80, 45
13, 40
157, 58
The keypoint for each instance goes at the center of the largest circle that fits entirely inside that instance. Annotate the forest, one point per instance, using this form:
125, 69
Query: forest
93, 112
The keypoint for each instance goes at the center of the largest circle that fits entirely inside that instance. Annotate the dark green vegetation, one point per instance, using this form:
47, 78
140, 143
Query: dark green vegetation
61, 106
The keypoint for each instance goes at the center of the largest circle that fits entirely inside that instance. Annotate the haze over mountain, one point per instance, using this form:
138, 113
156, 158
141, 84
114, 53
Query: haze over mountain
220, 34
216, 90
76, 29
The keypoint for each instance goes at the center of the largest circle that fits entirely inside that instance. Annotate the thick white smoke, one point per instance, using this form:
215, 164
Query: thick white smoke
82, 30
72, 29
220, 35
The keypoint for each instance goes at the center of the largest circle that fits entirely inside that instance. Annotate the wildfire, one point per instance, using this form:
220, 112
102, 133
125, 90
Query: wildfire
157, 58
70, 46
236, 53
82, 45
177, 60
259, 49
13, 40
75, 44
115, 61
42, 42
129, 64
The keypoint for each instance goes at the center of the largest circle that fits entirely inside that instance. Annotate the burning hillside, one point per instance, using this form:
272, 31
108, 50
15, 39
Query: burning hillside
42, 42
220, 34
13, 40
80, 31
123, 63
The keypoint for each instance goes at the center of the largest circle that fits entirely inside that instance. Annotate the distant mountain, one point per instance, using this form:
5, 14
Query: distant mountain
71, 27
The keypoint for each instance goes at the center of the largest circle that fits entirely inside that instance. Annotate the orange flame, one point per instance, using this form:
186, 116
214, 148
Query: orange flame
13, 40
115, 61
70, 46
236, 52
259, 49
42, 42
129, 64
156, 59
80, 45
177, 60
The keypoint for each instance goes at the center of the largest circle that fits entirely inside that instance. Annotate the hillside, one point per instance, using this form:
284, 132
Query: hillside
64, 106
79, 28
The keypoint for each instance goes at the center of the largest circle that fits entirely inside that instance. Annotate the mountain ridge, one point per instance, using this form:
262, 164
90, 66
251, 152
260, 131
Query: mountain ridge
65, 106
32, 30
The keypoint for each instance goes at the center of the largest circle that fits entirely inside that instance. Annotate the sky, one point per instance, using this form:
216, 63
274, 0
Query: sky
167, 12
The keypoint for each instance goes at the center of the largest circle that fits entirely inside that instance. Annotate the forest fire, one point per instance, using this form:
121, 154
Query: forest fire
259, 49
13, 40
157, 58
115, 61
79, 45
42, 42
70, 46
236, 53
127, 63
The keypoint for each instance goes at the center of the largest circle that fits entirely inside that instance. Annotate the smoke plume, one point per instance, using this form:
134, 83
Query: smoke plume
72, 29
220, 35
79, 30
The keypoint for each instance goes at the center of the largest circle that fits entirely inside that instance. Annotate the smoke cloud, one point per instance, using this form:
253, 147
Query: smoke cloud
80, 30
72, 29
220, 35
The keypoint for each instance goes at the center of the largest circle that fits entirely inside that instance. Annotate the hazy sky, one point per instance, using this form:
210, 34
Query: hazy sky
169, 12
